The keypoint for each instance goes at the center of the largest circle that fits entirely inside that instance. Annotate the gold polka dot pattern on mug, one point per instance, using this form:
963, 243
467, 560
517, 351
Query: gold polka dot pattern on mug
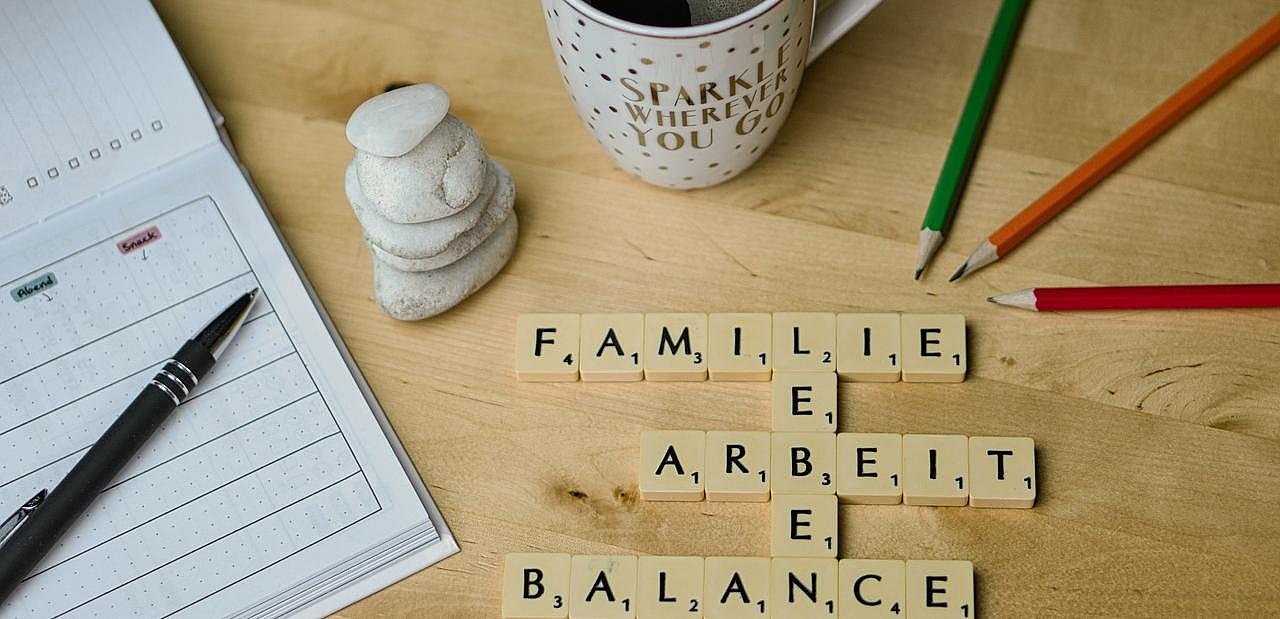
682, 112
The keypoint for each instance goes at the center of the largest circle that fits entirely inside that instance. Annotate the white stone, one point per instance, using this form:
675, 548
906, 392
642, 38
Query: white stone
414, 296
392, 123
437, 178
495, 212
416, 241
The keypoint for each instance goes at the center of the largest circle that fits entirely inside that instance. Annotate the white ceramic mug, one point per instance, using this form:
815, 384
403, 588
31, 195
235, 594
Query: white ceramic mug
695, 106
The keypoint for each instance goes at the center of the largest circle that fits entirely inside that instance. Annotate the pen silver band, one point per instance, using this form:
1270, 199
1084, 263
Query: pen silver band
167, 392
168, 375
181, 366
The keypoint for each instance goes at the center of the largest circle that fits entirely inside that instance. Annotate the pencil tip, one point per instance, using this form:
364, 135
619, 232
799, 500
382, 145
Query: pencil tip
929, 242
959, 272
991, 299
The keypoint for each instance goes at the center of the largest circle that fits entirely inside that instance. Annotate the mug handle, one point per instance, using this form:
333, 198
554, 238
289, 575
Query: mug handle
834, 21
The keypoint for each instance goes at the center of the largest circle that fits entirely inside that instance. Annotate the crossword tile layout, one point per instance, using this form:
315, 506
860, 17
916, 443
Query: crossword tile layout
555, 586
886, 469
878, 347
804, 468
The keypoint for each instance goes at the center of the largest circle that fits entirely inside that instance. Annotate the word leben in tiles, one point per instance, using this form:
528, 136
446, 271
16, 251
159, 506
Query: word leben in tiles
867, 468
556, 586
881, 347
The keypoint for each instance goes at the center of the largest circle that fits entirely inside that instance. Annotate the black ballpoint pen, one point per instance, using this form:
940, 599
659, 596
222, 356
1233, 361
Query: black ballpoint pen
34, 529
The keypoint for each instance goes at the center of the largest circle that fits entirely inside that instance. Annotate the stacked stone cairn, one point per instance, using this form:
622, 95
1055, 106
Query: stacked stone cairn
437, 213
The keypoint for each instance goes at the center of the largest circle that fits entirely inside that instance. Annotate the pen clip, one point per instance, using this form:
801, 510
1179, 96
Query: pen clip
21, 514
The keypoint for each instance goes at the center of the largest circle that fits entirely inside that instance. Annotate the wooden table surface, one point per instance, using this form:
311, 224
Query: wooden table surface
1158, 433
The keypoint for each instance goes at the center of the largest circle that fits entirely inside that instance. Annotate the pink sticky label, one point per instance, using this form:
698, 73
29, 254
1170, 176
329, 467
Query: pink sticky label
138, 240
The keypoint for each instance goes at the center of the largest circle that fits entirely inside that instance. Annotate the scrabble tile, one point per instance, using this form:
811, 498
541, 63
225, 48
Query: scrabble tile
869, 347
671, 465
872, 589
805, 588
940, 590
535, 585
869, 468
675, 347
804, 525
804, 341
1002, 471
804, 402
803, 463
933, 348
740, 346
935, 469
736, 588
612, 347
602, 587
669, 588
547, 347
737, 466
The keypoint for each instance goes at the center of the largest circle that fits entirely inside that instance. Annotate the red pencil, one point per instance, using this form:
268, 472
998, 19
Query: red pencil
1142, 297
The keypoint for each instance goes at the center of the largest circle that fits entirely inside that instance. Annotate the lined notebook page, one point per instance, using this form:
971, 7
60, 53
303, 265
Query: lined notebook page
92, 94
273, 471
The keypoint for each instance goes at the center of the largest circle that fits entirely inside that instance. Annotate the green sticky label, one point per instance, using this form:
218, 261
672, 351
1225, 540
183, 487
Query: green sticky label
34, 287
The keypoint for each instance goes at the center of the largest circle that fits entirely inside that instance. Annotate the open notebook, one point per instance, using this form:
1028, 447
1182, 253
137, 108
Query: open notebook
125, 224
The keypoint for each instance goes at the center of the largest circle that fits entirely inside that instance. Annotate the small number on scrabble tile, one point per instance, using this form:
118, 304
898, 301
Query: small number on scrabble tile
803, 463
805, 588
671, 465
535, 586
869, 468
804, 341
939, 590
933, 348
741, 346
675, 347
669, 587
1003, 471
547, 347
603, 586
872, 589
935, 469
804, 402
737, 466
612, 347
736, 588
804, 525
869, 347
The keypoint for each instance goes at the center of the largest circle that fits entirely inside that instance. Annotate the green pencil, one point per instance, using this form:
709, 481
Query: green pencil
964, 145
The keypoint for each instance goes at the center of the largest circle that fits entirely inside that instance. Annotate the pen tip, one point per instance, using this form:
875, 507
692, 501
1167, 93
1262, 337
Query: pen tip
253, 294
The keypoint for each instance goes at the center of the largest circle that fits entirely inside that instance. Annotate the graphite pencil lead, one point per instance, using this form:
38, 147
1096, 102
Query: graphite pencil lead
929, 242
982, 256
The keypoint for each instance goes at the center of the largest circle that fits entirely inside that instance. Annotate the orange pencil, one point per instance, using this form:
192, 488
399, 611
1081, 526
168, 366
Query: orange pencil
1124, 147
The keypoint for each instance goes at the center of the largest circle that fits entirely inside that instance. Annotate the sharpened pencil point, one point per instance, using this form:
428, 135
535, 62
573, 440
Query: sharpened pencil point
959, 272
929, 242
991, 299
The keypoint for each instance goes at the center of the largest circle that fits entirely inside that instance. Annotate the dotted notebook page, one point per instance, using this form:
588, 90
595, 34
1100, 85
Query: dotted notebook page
268, 480
92, 94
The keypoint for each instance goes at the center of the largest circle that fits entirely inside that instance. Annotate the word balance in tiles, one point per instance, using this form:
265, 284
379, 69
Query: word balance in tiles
877, 347
558, 586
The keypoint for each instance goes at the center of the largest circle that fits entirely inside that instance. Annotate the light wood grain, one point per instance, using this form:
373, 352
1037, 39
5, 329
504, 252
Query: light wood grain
1158, 433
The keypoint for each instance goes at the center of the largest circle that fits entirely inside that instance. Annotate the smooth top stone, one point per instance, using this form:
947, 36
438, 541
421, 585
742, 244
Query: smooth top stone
392, 123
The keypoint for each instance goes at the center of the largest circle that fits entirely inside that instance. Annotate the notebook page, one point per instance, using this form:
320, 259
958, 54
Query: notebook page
92, 94
273, 471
